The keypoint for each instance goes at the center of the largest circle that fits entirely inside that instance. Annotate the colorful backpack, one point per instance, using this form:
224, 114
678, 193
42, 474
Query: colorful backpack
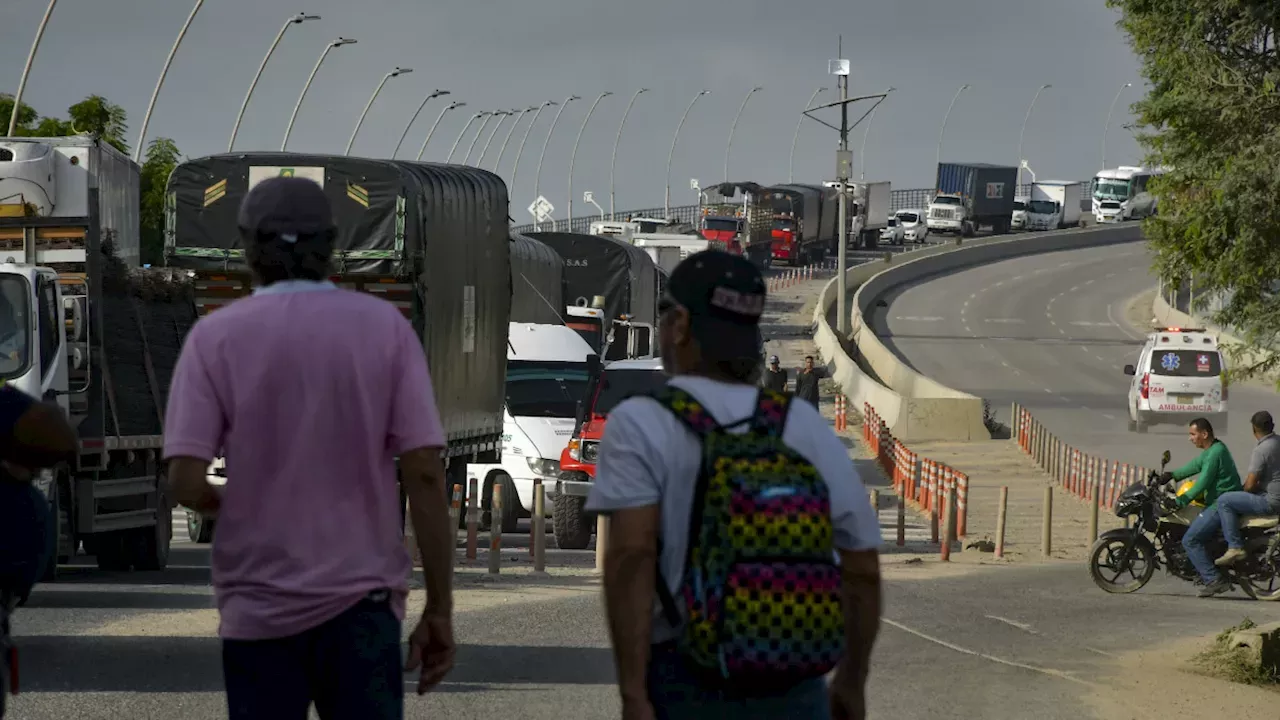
761, 588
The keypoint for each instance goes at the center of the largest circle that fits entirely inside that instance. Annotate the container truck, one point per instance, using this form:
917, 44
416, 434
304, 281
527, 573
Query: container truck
971, 196
611, 288
537, 282
431, 239
1054, 204
868, 207
87, 329
804, 223
737, 217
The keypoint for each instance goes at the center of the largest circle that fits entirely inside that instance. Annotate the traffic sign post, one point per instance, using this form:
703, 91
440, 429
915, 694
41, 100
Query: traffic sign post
541, 210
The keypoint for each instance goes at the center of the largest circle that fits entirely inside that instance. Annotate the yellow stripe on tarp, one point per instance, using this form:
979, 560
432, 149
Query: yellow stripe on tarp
359, 194
215, 192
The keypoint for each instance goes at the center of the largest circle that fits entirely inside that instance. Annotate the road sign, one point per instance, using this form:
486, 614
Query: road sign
694, 185
588, 197
541, 209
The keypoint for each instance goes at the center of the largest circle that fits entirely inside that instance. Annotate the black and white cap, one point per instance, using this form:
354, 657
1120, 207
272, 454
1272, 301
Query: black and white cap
725, 296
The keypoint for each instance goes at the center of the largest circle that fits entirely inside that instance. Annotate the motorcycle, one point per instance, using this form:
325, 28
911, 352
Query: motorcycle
1152, 537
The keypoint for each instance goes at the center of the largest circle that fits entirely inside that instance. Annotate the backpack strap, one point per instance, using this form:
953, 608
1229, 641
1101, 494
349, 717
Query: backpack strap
772, 409
687, 409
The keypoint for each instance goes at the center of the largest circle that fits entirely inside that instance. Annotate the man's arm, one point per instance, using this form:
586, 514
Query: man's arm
1208, 469
189, 485
1257, 464
1190, 468
422, 472
861, 597
33, 434
630, 567
195, 425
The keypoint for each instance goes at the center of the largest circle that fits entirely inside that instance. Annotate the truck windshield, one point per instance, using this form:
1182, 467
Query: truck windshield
588, 328
618, 385
946, 200
1019, 205
722, 224
545, 389
1112, 189
1042, 207
784, 224
14, 323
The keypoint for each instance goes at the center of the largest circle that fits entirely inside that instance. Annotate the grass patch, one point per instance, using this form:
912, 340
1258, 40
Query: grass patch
1234, 664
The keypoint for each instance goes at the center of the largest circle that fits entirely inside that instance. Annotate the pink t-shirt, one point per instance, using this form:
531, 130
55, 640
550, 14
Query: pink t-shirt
312, 391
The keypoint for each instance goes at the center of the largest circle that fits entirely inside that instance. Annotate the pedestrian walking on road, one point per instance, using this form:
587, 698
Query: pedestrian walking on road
712, 451
311, 392
775, 378
807, 381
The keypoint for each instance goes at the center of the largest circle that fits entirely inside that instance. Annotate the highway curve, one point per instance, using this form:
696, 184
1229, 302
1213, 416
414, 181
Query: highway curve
1048, 331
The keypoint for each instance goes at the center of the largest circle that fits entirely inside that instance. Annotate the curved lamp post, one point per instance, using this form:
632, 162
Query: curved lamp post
502, 117
394, 73
1023, 133
862, 153
574, 155
146, 118
295, 20
497, 164
462, 134
666, 201
1107, 127
791, 163
537, 175
434, 94
436, 124
471, 148
31, 58
728, 146
945, 118
515, 168
307, 86
613, 164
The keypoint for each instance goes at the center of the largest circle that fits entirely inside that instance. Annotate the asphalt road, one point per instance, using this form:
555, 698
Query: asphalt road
1001, 643
1048, 331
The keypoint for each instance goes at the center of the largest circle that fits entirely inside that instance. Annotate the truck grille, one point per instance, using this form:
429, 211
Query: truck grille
941, 214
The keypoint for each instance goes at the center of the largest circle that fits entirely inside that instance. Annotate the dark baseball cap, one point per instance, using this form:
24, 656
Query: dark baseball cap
725, 296
286, 206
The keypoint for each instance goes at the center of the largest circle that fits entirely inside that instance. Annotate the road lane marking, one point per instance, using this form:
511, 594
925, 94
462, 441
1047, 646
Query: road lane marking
1109, 416
1007, 321
1096, 650
990, 658
1090, 323
1025, 627
1048, 391
919, 318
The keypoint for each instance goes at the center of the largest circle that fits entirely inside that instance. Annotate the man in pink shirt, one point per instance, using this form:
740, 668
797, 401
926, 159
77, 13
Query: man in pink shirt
311, 393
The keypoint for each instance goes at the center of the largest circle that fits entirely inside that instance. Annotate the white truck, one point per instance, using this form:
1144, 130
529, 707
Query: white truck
1054, 204
666, 257
81, 325
547, 371
870, 206
626, 229
685, 245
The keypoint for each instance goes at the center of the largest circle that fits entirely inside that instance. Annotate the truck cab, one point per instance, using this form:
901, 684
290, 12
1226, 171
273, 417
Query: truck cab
947, 214
605, 389
615, 339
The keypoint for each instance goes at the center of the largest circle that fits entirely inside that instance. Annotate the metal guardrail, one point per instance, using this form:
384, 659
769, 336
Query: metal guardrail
916, 198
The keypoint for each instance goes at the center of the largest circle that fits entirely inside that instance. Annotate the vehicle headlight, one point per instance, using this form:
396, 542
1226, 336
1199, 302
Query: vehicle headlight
543, 466
590, 452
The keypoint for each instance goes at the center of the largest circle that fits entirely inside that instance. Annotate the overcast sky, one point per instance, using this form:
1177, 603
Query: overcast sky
502, 54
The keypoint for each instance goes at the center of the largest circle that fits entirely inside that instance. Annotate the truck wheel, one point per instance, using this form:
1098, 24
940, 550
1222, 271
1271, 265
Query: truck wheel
570, 522
60, 518
200, 527
112, 550
510, 504
149, 547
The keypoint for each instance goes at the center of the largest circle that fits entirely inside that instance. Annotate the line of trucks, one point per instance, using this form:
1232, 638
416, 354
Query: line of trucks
973, 196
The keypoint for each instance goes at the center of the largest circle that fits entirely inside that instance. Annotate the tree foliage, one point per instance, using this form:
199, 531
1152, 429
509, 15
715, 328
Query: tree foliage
1212, 115
95, 115
161, 158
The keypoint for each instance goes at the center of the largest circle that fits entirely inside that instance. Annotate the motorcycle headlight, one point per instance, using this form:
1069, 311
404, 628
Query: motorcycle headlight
543, 466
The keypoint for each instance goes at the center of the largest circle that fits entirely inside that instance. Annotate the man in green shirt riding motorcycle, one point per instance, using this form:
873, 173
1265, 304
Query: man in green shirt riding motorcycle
1217, 475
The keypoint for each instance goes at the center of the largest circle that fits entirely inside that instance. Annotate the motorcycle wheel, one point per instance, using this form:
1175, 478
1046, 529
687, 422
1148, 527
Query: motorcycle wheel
1258, 575
1104, 565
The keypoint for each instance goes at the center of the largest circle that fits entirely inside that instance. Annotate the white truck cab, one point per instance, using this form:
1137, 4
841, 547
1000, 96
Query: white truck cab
947, 214
1019, 219
625, 230
1178, 376
547, 370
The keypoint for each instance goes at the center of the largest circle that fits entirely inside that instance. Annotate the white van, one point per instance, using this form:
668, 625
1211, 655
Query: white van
547, 367
1178, 377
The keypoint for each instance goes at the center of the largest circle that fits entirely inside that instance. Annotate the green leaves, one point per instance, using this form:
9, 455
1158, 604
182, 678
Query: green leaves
161, 158
1212, 113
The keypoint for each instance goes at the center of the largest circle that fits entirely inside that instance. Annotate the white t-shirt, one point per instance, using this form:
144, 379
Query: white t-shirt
648, 457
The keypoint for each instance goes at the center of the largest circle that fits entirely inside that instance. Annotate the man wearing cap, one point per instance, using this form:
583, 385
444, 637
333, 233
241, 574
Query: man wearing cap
649, 462
311, 393
775, 378
1261, 494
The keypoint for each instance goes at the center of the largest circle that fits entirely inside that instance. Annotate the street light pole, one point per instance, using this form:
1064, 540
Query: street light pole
497, 164
295, 20
515, 168
394, 73
31, 58
945, 118
1107, 127
146, 118
573, 155
613, 164
537, 175
728, 146
307, 86
434, 94
791, 163
436, 124
1023, 133
462, 134
485, 150
666, 199
862, 152
471, 148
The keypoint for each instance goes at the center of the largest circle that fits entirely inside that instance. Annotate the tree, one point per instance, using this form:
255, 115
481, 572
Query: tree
1212, 115
27, 116
100, 117
161, 158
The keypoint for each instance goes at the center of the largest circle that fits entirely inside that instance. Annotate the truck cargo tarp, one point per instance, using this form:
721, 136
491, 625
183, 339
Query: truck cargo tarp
441, 227
624, 274
537, 282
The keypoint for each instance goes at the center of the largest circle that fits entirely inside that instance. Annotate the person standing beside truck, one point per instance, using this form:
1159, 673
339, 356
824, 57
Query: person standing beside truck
313, 392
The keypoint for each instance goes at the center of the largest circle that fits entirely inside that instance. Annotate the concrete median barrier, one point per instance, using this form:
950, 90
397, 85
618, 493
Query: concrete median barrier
918, 408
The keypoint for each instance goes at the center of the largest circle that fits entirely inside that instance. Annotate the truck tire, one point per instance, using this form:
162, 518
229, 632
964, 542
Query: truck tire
149, 547
112, 550
200, 527
60, 519
570, 521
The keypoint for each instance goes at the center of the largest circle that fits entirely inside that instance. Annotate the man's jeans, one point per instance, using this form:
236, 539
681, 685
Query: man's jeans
1234, 504
1202, 530
676, 695
26, 536
349, 667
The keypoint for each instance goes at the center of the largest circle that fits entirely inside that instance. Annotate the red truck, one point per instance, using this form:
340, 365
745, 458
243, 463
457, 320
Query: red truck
606, 388
735, 216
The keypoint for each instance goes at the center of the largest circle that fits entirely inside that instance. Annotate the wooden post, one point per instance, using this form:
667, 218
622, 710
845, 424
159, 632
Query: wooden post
1002, 513
539, 527
1046, 531
902, 521
602, 540
473, 518
1095, 497
495, 529
949, 523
